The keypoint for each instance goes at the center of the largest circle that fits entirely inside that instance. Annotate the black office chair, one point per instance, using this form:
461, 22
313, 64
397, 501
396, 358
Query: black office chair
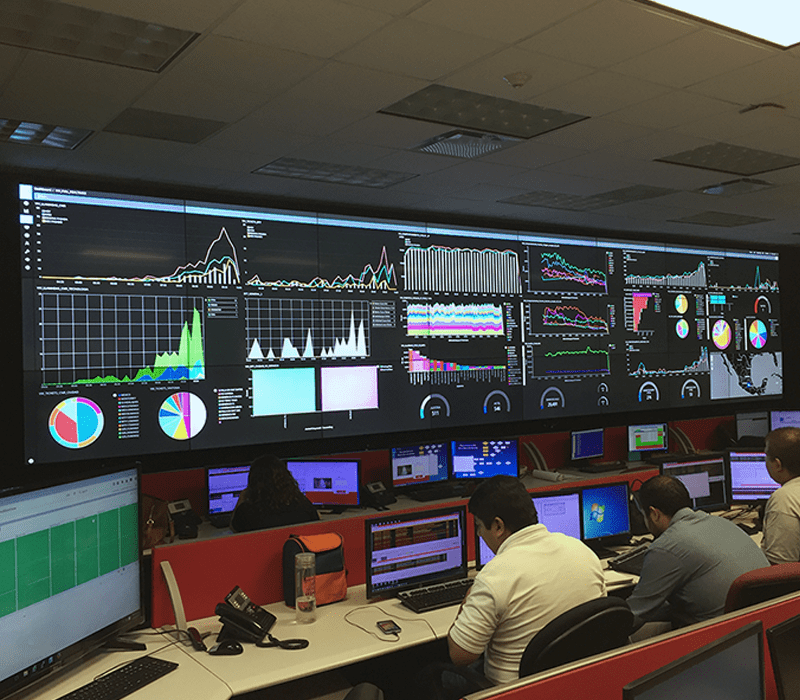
590, 628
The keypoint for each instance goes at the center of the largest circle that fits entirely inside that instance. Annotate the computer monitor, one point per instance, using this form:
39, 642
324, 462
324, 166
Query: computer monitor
586, 444
71, 572
704, 477
753, 424
605, 516
731, 667
332, 482
784, 419
419, 464
224, 485
783, 641
750, 481
558, 512
408, 550
481, 459
649, 437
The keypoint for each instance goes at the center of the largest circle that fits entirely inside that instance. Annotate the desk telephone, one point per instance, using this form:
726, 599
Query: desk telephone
245, 621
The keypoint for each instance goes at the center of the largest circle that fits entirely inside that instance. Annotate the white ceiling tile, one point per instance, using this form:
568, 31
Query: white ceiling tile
600, 93
592, 134
486, 76
670, 110
608, 33
10, 58
421, 50
392, 7
507, 21
758, 82
731, 124
314, 27
694, 58
391, 131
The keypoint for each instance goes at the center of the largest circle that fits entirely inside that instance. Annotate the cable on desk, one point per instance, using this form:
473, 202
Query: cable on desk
384, 638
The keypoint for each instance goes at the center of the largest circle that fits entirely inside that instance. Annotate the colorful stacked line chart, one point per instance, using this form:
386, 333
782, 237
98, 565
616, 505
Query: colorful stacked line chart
76, 422
444, 320
182, 415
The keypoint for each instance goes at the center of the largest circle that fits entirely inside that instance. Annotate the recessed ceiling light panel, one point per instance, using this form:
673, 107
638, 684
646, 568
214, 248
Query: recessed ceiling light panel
720, 218
333, 172
727, 158
574, 202
776, 22
733, 188
33, 134
465, 144
471, 110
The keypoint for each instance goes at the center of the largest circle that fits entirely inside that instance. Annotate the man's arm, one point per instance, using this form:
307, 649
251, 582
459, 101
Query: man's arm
661, 574
781, 541
473, 627
459, 656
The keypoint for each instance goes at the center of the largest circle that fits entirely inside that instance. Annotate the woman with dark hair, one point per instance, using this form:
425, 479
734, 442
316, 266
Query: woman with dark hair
272, 498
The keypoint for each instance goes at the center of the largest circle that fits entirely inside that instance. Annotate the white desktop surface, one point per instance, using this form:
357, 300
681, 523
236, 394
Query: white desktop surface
189, 680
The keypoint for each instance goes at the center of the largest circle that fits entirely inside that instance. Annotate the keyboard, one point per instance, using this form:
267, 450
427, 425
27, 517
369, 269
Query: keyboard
124, 680
630, 562
438, 595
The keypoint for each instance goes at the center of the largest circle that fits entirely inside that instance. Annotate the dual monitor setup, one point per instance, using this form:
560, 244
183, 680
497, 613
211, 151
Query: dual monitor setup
754, 425
646, 437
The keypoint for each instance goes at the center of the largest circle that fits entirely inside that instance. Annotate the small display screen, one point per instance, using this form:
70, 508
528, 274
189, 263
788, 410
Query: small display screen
750, 480
224, 486
327, 482
784, 419
605, 511
651, 437
704, 478
586, 444
419, 464
481, 459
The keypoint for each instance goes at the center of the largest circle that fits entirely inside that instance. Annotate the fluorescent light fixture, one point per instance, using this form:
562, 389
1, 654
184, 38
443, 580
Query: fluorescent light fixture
34, 134
773, 21
333, 172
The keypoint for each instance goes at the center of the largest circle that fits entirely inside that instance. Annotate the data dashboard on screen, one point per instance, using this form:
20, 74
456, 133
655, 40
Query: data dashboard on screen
155, 325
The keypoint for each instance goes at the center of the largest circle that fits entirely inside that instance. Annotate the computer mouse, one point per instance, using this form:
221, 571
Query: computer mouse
227, 647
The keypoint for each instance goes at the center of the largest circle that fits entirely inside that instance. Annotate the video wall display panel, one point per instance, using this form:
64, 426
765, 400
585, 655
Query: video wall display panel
157, 325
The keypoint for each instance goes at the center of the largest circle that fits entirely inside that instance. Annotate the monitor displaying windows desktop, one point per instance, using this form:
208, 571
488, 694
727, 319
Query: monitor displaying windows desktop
409, 550
650, 437
71, 573
558, 512
604, 514
731, 667
419, 464
749, 478
224, 485
784, 419
481, 459
704, 477
328, 482
586, 444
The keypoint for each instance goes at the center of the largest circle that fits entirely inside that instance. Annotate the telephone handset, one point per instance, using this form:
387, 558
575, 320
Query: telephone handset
242, 619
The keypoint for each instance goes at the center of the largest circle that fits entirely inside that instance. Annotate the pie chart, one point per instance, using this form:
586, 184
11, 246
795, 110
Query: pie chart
182, 415
681, 304
721, 334
76, 422
757, 334
682, 328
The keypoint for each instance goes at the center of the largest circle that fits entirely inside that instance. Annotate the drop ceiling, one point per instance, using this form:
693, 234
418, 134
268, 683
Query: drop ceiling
649, 98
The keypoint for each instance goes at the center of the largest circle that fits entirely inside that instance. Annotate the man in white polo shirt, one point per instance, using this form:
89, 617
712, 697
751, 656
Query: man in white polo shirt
535, 576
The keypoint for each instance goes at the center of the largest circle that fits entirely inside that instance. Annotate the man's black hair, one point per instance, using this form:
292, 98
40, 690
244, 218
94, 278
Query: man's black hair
503, 497
666, 493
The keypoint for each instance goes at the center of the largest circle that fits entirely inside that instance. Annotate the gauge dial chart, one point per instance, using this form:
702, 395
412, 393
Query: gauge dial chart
76, 422
757, 333
182, 415
721, 334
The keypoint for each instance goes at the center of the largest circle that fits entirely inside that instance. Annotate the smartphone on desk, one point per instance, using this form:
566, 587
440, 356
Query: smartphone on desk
242, 619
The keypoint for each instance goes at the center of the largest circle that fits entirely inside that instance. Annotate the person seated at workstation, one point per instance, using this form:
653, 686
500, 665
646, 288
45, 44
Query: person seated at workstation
535, 576
691, 564
781, 521
272, 498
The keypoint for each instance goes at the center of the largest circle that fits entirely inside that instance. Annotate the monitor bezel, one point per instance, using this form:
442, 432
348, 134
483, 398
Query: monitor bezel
617, 538
69, 656
449, 575
330, 504
663, 448
634, 689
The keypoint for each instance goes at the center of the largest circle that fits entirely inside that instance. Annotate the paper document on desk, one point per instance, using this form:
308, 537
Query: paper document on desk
617, 578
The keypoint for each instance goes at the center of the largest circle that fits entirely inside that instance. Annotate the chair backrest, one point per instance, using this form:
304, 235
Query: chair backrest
764, 584
587, 629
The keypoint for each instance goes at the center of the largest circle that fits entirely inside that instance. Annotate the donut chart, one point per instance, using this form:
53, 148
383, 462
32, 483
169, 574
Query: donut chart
76, 422
721, 334
757, 332
682, 328
182, 415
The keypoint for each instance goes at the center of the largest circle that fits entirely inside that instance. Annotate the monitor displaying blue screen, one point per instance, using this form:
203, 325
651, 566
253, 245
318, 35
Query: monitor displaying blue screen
605, 511
558, 512
586, 444
224, 486
419, 464
481, 459
784, 419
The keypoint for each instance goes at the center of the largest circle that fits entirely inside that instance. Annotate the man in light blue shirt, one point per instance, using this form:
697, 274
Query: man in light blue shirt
694, 559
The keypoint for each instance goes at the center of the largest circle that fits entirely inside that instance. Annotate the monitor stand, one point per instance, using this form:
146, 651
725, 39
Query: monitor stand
118, 644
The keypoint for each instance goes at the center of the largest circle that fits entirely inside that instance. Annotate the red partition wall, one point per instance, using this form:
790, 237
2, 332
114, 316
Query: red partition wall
604, 680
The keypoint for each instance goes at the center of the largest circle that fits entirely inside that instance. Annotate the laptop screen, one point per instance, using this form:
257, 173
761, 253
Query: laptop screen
224, 486
409, 550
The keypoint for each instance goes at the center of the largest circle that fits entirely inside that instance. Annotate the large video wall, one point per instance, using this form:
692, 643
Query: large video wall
159, 325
